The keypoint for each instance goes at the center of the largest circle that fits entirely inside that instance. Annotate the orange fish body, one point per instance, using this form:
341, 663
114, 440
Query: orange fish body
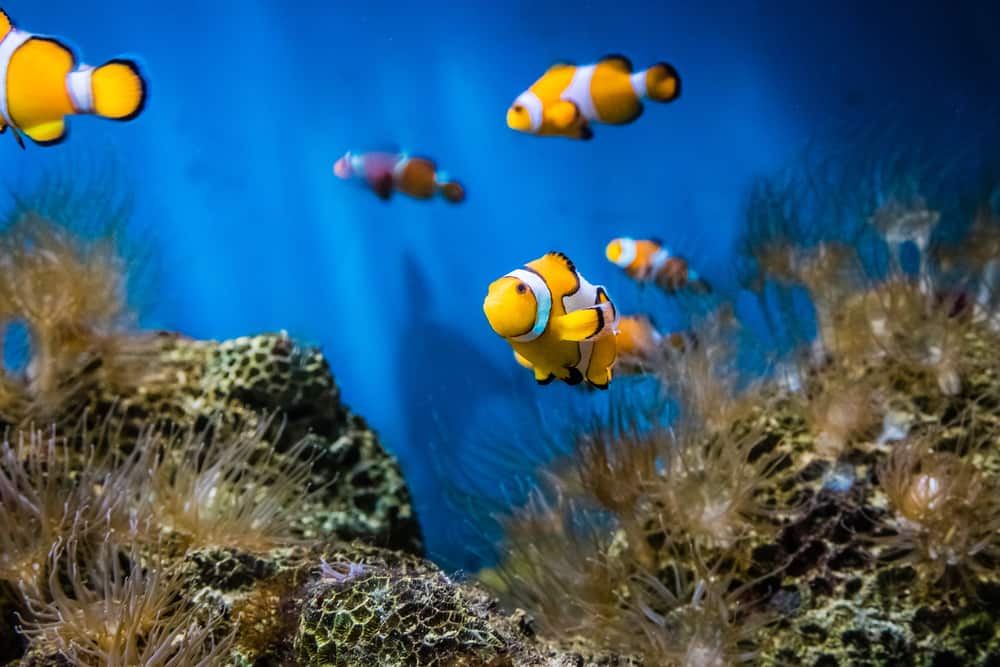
641, 346
41, 83
386, 173
567, 99
647, 260
559, 325
637, 338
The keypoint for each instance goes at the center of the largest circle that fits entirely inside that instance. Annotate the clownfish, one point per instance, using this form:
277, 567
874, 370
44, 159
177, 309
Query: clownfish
650, 261
637, 337
568, 98
640, 344
559, 325
41, 84
386, 173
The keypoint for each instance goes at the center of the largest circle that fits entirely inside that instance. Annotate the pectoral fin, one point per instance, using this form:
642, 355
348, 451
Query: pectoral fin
382, 185
48, 133
602, 360
17, 137
587, 323
522, 361
563, 114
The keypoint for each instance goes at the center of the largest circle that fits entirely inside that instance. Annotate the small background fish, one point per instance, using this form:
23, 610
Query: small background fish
569, 98
386, 173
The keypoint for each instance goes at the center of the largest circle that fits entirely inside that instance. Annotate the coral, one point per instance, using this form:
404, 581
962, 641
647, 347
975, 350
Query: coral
181, 383
364, 610
194, 502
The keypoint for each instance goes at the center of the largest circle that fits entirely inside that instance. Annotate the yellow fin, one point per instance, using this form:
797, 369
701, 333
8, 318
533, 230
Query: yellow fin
663, 84
562, 114
48, 133
559, 66
602, 360
587, 323
562, 258
543, 377
119, 90
618, 62
522, 361
5, 24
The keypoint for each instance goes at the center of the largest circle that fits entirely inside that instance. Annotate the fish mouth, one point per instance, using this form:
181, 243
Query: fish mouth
342, 168
493, 309
517, 121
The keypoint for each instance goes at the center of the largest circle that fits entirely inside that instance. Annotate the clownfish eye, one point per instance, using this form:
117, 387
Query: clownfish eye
521, 288
518, 108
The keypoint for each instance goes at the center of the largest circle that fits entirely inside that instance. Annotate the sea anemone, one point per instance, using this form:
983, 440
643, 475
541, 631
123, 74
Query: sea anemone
713, 488
49, 491
840, 410
227, 491
69, 293
945, 509
557, 564
698, 619
119, 610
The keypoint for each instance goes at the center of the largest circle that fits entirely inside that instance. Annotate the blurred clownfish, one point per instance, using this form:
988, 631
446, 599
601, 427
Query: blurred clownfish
567, 98
41, 84
559, 325
640, 344
386, 173
650, 261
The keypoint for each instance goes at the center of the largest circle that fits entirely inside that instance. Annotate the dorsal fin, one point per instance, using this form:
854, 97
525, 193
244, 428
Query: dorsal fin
6, 25
657, 240
563, 258
559, 64
617, 61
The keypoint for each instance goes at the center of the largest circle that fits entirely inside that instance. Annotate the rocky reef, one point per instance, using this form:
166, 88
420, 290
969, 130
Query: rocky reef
169, 501
842, 507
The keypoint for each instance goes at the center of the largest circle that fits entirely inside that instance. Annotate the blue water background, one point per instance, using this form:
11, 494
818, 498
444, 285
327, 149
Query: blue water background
253, 101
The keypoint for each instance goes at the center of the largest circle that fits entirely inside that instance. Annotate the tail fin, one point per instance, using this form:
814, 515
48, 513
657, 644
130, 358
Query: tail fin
119, 90
663, 84
452, 191
700, 286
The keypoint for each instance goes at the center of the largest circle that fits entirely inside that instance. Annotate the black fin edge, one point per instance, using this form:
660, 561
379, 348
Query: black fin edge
574, 378
563, 257
620, 57
607, 299
677, 77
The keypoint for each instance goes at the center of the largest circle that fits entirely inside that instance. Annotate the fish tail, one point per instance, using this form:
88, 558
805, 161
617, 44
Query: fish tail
453, 191
663, 84
697, 284
120, 90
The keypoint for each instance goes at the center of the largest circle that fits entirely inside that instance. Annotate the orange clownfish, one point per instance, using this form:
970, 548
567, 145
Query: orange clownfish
568, 98
650, 261
640, 344
41, 84
386, 173
559, 325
